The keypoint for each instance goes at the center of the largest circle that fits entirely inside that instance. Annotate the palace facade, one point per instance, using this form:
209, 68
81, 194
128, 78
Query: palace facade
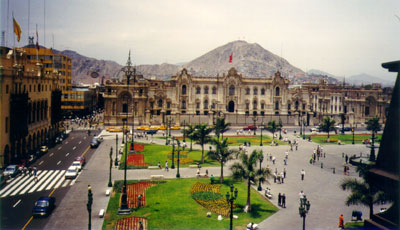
242, 101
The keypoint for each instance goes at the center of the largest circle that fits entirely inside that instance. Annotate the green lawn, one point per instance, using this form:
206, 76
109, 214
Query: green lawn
170, 206
154, 153
239, 140
344, 139
354, 225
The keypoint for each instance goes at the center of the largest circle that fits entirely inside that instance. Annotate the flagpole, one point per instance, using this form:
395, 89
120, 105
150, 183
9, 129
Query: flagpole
37, 45
8, 20
29, 17
15, 56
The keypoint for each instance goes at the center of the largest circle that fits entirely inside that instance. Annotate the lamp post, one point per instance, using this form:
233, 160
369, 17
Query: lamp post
280, 128
230, 197
304, 129
255, 118
262, 126
116, 150
109, 180
123, 133
303, 209
173, 152
184, 131
259, 182
89, 206
352, 130
128, 70
177, 172
301, 124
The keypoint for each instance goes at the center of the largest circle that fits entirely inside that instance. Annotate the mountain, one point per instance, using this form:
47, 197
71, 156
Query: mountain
320, 72
368, 79
251, 60
314, 76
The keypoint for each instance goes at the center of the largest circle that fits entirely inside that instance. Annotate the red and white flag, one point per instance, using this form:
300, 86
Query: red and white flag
230, 58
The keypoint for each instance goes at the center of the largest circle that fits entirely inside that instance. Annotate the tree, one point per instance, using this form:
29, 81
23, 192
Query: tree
201, 134
246, 169
272, 127
373, 126
190, 134
279, 126
327, 125
221, 153
362, 192
220, 126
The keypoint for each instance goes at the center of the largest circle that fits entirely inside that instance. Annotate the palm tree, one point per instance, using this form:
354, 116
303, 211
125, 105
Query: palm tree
327, 125
272, 127
189, 133
201, 134
362, 192
246, 169
220, 126
374, 126
222, 153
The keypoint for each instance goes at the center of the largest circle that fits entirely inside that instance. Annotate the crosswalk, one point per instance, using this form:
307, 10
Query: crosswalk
46, 180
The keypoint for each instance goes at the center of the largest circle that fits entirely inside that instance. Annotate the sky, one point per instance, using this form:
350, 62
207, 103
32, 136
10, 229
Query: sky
341, 37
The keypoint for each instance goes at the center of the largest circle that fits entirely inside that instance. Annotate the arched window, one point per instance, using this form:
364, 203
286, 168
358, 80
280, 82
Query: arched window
255, 91
214, 90
205, 104
197, 105
276, 105
247, 91
296, 105
262, 106
262, 91
198, 90
183, 89
277, 91
231, 90
254, 104
206, 90
160, 103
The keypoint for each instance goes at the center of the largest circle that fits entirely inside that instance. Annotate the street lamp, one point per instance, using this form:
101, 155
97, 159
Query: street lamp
262, 126
89, 206
230, 197
303, 209
109, 181
128, 70
352, 130
304, 129
173, 152
301, 124
177, 173
116, 150
280, 129
168, 134
255, 118
259, 182
123, 133
184, 131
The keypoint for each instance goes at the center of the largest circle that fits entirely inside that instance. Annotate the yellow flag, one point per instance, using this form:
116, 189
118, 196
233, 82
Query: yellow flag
17, 29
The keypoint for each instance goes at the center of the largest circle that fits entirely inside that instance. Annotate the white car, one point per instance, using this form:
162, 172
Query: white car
72, 172
77, 164
99, 138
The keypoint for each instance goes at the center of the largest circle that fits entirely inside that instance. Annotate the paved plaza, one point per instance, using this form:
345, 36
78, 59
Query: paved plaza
321, 185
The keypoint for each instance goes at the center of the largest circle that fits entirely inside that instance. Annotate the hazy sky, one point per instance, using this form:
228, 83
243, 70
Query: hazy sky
341, 37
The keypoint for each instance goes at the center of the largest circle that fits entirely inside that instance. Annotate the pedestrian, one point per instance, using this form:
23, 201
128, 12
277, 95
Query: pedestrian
273, 160
284, 162
284, 172
303, 173
297, 145
30, 171
139, 200
284, 200
166, 166
275, 175
311, 160
286, 154
35, 175
347, 158
301, 194
341, 222
159, 165
282, 176
279, 199
291, 147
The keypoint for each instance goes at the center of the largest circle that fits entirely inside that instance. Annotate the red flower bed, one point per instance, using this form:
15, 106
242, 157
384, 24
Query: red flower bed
133, 191
130, 223
136, 160
138, 147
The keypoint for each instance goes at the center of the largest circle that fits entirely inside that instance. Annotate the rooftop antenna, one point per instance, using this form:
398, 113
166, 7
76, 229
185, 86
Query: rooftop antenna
44, 23
8, 18
29, 17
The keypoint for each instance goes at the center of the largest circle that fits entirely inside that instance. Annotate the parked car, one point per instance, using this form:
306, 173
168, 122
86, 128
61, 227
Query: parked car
94, 143
151, 132
81, 159
44, 149
176, 127
339, 128
99, 138
314, 130
72, 172
250, 127
11, 171
43, 206
77, 164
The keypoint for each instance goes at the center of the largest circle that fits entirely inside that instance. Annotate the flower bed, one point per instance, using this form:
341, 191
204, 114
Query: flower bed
138, 147
136, 160
130, 223
133, 191
209, 197
183, 157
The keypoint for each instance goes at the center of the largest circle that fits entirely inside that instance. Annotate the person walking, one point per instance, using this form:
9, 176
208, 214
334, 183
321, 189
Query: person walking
166, 166
35, 174
286, 154
341, 222
275, 177
303, 173
301, 194
282, 176
283, 200
284, 172
139, 200
279, 199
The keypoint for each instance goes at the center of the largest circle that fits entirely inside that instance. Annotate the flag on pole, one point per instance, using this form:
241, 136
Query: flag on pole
37, 39
17, 29
230, 58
